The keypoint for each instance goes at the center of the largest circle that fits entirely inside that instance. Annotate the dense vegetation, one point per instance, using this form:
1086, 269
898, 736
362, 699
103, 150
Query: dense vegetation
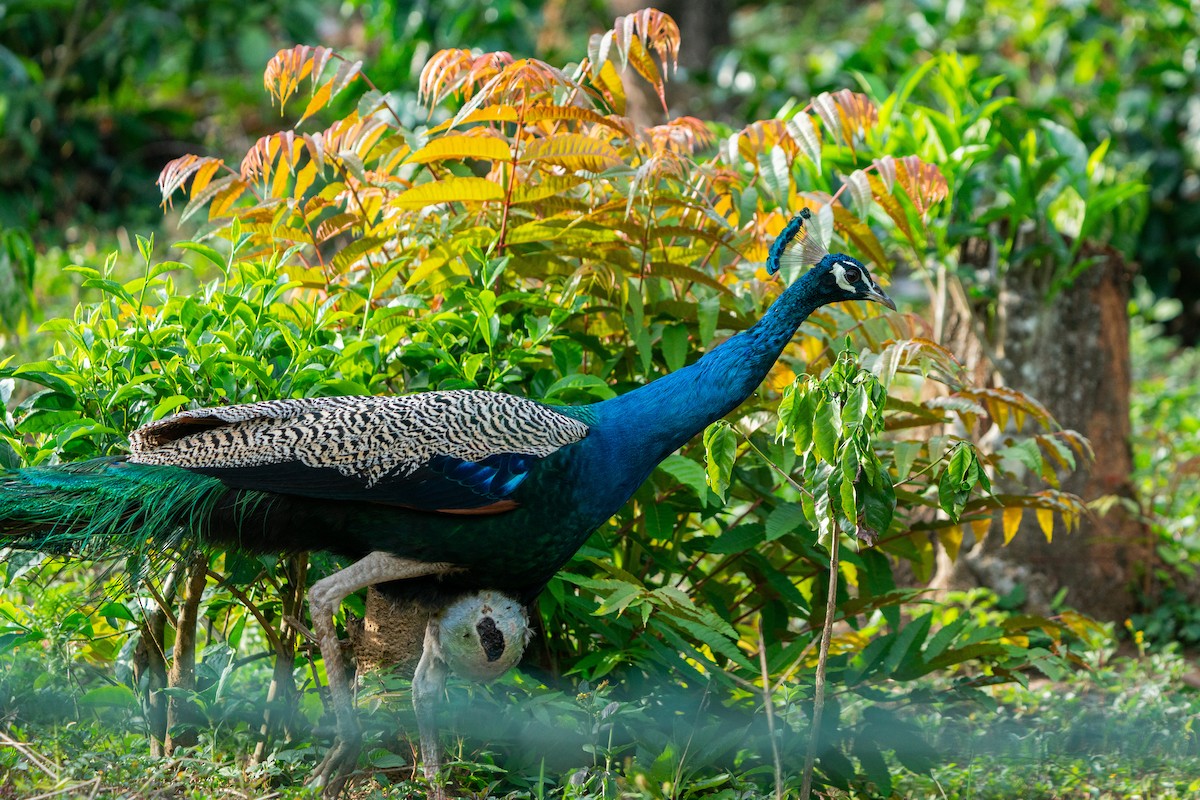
518, 231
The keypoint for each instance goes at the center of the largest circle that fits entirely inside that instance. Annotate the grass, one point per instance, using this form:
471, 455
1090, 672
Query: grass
1126, 729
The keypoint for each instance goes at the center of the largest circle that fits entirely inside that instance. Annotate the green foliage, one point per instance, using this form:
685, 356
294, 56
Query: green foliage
1119, 730
536, 241
834, 423
1166, 451
92, 93
1066, 76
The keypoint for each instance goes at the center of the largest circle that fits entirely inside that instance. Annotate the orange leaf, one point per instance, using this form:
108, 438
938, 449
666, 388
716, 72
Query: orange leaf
178, 170
923, 183
290, 66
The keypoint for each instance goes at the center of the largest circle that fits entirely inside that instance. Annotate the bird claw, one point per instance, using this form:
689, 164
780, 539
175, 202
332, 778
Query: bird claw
331, 774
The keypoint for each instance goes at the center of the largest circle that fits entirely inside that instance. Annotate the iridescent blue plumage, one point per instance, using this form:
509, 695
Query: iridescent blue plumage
785, 238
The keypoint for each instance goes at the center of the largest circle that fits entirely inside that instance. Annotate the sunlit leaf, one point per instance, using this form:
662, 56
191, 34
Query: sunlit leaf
449, 190
720, 446
1011, 518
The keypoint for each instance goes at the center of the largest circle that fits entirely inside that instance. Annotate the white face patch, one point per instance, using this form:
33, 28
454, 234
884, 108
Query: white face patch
839, 275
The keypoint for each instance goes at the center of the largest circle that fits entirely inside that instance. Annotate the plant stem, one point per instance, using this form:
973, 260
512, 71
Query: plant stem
769, 705
819, 690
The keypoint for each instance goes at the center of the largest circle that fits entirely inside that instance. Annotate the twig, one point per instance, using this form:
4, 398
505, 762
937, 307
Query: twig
28, 752
72, 788
822, 658
769, 705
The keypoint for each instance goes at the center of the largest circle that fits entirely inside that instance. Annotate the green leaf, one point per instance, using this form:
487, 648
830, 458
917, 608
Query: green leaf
720, 448
905, 454
112, 696
116, 611
737, 539
208, 253
587, 383
826, 429
687, 472
957, 480
878, 504
659, 519
855, 408
675, 346
784, 519
797, 417
904, 657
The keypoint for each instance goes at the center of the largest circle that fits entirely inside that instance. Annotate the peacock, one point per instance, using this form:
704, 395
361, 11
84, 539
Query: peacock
474, 499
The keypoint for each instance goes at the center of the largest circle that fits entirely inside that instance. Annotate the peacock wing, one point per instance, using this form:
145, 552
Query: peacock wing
463, 450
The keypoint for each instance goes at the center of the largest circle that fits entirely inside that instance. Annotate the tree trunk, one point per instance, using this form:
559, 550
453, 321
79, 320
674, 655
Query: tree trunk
391, 634
181, 712
1072, 354
282, 697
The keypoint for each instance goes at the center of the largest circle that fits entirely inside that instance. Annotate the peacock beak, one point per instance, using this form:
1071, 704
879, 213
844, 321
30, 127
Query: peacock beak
879, 296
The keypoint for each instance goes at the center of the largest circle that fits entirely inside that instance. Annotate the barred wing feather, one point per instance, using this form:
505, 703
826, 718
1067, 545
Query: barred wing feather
457, 450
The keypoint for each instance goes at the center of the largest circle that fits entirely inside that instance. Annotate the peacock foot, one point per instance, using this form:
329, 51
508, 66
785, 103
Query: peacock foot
331, 774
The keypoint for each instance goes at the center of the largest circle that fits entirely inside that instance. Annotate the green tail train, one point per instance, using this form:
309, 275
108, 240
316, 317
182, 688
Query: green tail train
104, 508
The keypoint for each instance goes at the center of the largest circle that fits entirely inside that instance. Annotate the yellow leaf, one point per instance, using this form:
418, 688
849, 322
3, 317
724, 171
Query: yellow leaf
304, 179
780, 377
1045, 518
280, 183
951, 539
641, 61
204, 175
609, 82
424, 270
556, 113
860, 234
460, 147
1012, 521
573, 151
496, 113
547, 187
319, 99
225, 198
980, 528
450, 190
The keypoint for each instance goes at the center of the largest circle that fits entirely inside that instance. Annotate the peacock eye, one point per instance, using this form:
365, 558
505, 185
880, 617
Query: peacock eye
852, 275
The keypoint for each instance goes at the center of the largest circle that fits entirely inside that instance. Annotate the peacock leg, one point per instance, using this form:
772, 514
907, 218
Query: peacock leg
323, 599
428, 686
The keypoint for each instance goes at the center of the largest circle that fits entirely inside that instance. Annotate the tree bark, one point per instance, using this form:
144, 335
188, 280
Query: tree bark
391, 634
1071, 353
282, 697
181, 713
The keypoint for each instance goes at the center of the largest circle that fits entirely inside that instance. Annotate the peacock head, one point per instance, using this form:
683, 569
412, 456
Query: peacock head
832, 276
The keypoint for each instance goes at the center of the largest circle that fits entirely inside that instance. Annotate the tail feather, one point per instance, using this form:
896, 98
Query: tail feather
104, 508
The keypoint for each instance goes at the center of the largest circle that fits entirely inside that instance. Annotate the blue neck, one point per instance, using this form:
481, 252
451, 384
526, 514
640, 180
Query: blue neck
662, 416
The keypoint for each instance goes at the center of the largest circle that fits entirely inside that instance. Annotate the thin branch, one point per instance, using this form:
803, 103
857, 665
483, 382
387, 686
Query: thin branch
822, 659
769, 705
